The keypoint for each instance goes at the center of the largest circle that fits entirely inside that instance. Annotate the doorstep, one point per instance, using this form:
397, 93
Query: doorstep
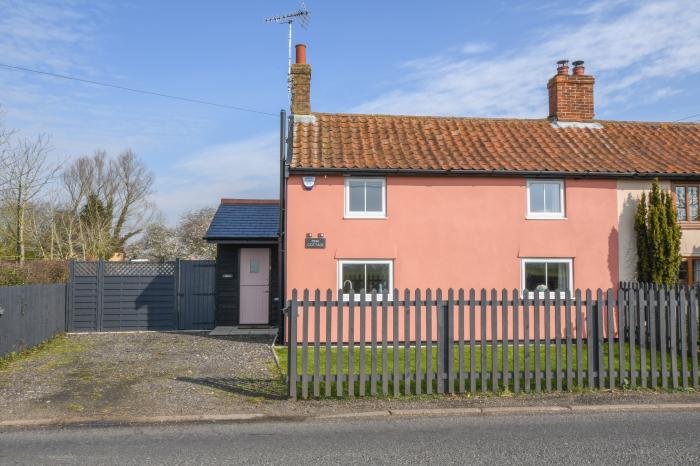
242, 331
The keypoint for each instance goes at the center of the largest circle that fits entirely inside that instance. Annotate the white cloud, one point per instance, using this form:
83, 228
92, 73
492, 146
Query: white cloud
626, 45
50, 33
247, 168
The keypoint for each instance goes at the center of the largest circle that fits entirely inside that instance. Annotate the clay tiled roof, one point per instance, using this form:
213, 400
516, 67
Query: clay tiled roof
379, 142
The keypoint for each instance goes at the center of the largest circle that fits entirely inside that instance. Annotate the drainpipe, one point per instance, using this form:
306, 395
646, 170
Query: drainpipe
281, 240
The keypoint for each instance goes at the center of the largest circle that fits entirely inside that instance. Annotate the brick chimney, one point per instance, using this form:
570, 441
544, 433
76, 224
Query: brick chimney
301, 83
571, 95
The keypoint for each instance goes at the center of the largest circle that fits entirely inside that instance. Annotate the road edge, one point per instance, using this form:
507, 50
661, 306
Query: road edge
389, 413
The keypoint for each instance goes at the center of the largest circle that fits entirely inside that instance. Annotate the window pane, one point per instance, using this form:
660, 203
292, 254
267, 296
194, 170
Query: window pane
353, 277
552, 197
254, 266
696, 271
680, 204
374, 196
693, 203
558, 276
535, 276
536, 197
378, 277
357, 195
683, 273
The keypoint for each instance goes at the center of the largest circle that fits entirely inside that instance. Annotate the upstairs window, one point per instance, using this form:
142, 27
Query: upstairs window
365, 197
545, 199
687, 203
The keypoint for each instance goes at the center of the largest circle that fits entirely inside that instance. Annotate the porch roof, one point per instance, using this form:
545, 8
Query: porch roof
245, 219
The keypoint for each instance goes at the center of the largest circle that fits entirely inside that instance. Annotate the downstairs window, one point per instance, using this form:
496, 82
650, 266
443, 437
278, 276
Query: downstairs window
373, 276
546, 275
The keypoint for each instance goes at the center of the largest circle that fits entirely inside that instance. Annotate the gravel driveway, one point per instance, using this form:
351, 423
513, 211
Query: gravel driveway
141, 374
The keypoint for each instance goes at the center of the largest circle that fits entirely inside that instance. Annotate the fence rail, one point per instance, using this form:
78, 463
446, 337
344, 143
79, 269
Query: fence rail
488, 340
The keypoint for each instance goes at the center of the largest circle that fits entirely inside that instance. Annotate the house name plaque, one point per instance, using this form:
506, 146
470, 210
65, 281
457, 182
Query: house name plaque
315, 243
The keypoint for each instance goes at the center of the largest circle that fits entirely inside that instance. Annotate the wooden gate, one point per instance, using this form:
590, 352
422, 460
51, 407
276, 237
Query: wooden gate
121, 296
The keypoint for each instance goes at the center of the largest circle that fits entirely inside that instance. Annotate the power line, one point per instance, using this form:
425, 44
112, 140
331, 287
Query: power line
686, 118
139, 91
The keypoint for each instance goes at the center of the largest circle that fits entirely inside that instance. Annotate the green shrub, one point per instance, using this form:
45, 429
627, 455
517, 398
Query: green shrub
658, 238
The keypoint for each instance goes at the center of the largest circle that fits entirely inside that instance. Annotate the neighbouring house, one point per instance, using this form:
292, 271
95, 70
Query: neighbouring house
379, 202
247, 275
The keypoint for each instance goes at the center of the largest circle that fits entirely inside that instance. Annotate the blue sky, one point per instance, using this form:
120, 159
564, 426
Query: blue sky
464, 58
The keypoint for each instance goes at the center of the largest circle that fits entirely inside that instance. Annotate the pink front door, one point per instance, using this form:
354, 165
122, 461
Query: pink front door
255, 286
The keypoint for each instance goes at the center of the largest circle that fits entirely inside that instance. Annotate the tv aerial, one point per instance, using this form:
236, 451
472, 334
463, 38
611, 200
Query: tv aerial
302, 17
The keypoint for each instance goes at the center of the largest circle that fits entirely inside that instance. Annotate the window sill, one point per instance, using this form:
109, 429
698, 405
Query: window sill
689, 225
538, 217
368, 298
365, 217
552, 295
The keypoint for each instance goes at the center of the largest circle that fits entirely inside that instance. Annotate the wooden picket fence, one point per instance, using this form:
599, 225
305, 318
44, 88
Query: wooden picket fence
468, 341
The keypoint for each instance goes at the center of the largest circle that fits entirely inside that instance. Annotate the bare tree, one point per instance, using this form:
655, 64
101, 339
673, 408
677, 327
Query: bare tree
185, 240
25, 171
120, 188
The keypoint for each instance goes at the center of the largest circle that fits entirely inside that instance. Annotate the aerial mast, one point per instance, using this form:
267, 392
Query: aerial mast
302, 16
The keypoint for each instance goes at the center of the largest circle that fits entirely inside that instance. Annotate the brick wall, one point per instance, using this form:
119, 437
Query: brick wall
571, 97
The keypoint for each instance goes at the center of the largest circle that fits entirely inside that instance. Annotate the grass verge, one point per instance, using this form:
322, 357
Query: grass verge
493, 356
60, 346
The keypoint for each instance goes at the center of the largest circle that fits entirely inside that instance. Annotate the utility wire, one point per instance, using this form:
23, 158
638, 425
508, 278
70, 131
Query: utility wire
686, 118
139, 91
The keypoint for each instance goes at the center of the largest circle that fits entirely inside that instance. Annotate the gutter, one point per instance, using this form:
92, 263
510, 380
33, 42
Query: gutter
242, 241
285, 147
495, 173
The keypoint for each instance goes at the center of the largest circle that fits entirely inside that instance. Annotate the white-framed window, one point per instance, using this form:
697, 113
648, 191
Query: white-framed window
545, 199
546, 275
365, 197
371, 275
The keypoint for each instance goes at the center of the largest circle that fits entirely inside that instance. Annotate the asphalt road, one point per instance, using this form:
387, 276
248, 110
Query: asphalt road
621, 438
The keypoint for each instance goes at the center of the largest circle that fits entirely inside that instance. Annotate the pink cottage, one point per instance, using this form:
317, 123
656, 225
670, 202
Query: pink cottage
383, 202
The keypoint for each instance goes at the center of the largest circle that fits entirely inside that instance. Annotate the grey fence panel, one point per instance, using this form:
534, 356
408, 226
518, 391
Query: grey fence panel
385, 349
83, 293
363, 340
694, 330
118, 296
31, 314
608, 324
317, 343
138, 303
472, 340
418, 339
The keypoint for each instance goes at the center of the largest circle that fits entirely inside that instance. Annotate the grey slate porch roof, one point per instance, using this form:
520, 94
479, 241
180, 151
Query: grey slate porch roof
245, 219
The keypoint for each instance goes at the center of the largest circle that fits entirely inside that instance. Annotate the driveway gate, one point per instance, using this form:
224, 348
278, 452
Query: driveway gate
117, 296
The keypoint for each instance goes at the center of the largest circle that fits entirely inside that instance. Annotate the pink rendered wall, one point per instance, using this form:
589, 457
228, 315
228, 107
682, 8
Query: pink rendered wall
444, 232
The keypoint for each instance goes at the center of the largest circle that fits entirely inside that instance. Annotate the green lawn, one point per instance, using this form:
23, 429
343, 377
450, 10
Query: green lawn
282, 355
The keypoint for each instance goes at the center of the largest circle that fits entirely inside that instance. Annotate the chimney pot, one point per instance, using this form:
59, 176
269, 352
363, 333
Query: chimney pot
579, 69
300, 54
563, 67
